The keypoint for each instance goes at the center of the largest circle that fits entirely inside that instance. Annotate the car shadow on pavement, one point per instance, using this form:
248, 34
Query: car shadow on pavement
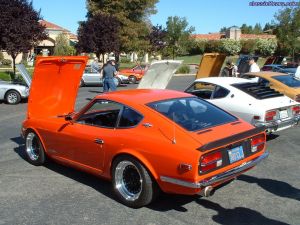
279, 188
237, 215
272, 136
97, 92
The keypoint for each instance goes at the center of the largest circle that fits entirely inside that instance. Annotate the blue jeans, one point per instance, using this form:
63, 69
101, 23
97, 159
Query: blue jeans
109, 84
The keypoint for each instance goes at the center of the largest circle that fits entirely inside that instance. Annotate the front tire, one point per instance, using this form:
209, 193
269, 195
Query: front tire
34, 149
12, 97
132, 183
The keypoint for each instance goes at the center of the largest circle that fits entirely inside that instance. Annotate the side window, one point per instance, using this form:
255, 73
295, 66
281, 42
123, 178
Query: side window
201, 90
220, 92
102, 113
129, 118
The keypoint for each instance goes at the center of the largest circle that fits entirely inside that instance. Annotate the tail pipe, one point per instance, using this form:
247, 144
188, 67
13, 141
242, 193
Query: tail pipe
207, 191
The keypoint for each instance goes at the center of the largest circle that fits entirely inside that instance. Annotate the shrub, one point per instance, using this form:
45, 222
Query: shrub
266, 47
196, 47
248, 46
230, 46
124, 60
213, 46
183, 70
6, 62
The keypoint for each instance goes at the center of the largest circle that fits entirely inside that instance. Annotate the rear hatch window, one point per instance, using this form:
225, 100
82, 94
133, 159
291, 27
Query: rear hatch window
192, 113
258, 91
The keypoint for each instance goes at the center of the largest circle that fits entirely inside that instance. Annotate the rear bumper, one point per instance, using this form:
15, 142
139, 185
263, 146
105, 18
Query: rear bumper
278, 124
222, 177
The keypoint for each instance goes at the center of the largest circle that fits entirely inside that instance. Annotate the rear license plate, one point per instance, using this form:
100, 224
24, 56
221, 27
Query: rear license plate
283, 114
236, 154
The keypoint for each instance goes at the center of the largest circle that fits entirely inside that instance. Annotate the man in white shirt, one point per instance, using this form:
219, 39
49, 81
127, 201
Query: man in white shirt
253, 66
297, 74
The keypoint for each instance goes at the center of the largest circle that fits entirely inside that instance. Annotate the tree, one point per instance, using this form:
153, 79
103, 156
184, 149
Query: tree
257, 29
20, 30
245, 29
132, 16
266, 47
288, 30
157, 38
223, 29
99, 34
62, 46
178, 33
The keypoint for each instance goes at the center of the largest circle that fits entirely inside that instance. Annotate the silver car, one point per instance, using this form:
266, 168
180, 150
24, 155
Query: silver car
94, 78
11, 92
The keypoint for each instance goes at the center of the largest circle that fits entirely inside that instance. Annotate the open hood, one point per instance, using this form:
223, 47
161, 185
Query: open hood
54, 85
210, 65
159, 74
274, 60
24, 73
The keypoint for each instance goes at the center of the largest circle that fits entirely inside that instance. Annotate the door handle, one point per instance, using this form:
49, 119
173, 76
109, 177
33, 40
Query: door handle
99, 141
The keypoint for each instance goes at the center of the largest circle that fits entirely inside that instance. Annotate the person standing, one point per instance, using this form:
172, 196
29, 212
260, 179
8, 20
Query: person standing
227, 70
109, 72
297, 74
253, 66
95, 66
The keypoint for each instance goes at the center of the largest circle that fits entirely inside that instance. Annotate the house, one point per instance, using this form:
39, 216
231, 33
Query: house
46, 47
232, 33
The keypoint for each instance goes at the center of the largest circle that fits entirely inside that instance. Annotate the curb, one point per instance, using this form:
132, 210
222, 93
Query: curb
184, 74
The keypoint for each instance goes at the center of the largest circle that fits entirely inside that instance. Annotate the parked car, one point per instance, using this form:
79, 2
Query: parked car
255, 103
134, 74
284, 83
280, 68
142, 140
13, 92
91, 78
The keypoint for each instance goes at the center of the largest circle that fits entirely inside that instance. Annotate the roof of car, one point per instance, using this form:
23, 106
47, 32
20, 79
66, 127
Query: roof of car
267, 74
223, 80
142, 96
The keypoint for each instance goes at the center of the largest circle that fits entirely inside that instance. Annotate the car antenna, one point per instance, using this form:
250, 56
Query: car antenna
174, 133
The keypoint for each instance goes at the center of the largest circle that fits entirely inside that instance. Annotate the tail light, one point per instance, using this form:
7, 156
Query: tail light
210, 161
297, 98
296, 110
270, 115
258, 142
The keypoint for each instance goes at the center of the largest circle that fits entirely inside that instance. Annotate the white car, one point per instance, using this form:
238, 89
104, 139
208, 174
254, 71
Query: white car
92, 78
12, 92
255, 103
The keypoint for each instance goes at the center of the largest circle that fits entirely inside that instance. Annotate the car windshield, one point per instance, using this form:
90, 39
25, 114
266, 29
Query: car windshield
288, 80
192, 113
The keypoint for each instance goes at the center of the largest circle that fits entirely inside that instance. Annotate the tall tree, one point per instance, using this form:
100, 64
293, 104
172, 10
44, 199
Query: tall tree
245, 29
99, 34
223, 29
132, 15
157, 38
288, 30
20, 30
178, 33
62, 46
257, 29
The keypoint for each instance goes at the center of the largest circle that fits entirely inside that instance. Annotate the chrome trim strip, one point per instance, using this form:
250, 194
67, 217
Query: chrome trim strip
218, 178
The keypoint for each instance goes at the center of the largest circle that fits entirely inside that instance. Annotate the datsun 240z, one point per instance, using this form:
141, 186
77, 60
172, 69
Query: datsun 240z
144, 141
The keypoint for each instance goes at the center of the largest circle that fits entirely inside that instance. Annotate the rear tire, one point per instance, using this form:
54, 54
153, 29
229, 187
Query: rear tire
132, 79
34, 149
12, 97
132, 183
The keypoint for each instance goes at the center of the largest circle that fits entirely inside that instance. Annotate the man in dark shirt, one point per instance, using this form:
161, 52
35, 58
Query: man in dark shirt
109, 71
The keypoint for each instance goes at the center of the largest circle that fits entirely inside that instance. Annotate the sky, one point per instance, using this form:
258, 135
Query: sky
205, 15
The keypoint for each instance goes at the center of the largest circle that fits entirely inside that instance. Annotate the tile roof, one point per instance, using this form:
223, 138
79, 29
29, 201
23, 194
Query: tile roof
255, 36
210, 36
52, 26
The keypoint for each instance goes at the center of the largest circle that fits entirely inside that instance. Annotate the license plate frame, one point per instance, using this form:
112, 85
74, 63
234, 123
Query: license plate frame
236, 154
283, 114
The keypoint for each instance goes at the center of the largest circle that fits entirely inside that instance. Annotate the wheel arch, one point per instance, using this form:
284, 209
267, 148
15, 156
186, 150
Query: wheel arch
37, 133
139, 158
11, 89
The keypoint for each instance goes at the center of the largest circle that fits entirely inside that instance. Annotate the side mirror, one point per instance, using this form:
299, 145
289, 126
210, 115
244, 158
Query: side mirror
68, 118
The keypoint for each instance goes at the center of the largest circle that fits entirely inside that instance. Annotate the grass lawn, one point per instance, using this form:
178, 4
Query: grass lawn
4, 75
190, 59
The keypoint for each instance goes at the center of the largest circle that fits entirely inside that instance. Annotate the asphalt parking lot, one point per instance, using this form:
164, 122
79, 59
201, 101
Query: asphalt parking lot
54, 194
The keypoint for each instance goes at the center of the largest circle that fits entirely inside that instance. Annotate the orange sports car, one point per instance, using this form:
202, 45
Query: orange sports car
134, 74
282, 82
142, 140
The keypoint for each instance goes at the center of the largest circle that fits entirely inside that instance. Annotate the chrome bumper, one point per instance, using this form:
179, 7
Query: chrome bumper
230, 174
278, 124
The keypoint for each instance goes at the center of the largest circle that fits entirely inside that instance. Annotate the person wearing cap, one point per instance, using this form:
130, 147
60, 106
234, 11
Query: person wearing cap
109, 72
95, 66
253, 66
227, 70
